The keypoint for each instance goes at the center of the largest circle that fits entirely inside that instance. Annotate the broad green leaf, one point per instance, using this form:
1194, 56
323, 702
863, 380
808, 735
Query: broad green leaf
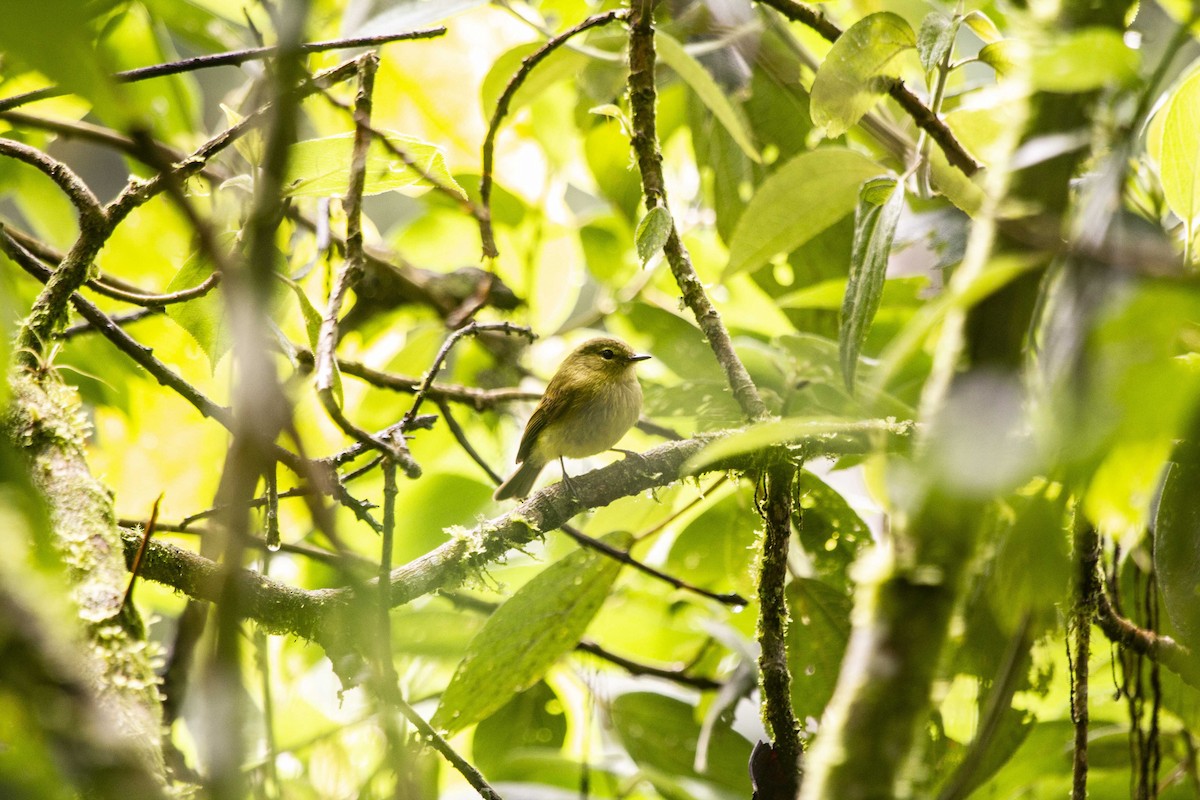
711, 95
800, 200
652, 233
526, 635
1177, 543
854, 75
203, 317
716, 548
1176, 146
791, 431
935, 39
1000, 55
830, 531
660, 734
321, 167
55, 38
1092, 58
874, 229
816, 640
532, 720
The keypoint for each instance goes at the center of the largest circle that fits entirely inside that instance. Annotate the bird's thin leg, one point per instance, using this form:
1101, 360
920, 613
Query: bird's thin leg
567, 479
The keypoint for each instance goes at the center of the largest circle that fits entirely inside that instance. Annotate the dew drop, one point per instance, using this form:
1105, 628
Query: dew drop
273, 546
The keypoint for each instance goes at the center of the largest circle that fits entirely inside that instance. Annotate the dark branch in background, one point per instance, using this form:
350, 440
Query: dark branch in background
678, 676
486, 234
728, 598
1162, 649
119, 320
921, 114
643, 96
478, 399
230, 59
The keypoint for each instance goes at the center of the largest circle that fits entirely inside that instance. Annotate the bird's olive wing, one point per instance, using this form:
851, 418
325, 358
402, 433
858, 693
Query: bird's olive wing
548, 410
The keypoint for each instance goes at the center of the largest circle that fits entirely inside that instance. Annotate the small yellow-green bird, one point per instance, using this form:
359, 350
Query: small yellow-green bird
589, 404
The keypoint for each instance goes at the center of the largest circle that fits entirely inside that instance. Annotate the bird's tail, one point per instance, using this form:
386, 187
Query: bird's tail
521, 481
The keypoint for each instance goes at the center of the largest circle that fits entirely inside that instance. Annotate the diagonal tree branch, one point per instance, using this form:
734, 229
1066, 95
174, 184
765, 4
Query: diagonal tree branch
921, 114
232, 58
643, 95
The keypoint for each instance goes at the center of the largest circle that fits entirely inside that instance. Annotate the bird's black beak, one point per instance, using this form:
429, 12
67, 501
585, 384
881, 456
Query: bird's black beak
638, 358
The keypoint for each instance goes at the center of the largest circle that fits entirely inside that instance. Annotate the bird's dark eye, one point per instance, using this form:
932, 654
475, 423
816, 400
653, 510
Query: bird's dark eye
607, 353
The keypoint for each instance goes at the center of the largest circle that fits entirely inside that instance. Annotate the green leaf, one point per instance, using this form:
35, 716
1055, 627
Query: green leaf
312, 329
653, 232
1084, 60
830, 531
874, 230
935, 39
1177, 543
321, 167
204, 317
660, 734
800, 200
711, 95
853, 75
983, 27
716, 548
55, 37
816, 640
1176, 146
532, 720
1000, 56
526, 635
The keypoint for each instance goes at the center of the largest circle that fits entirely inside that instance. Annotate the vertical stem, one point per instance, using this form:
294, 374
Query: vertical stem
642, 98
1087, 555
773, 621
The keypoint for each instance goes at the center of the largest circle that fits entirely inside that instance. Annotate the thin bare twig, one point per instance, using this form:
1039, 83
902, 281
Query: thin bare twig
486, 235
727, 598
231, 58
471, 329
476, 398
349, 275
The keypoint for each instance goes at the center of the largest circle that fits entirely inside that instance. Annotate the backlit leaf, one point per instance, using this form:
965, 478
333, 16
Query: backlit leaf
874, 229
321, 167
800, 200
1177, 147
854, 74
525, 636
653, 232
711, 95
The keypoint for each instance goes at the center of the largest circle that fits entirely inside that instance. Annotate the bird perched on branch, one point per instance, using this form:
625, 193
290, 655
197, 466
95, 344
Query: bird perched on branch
589, 404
